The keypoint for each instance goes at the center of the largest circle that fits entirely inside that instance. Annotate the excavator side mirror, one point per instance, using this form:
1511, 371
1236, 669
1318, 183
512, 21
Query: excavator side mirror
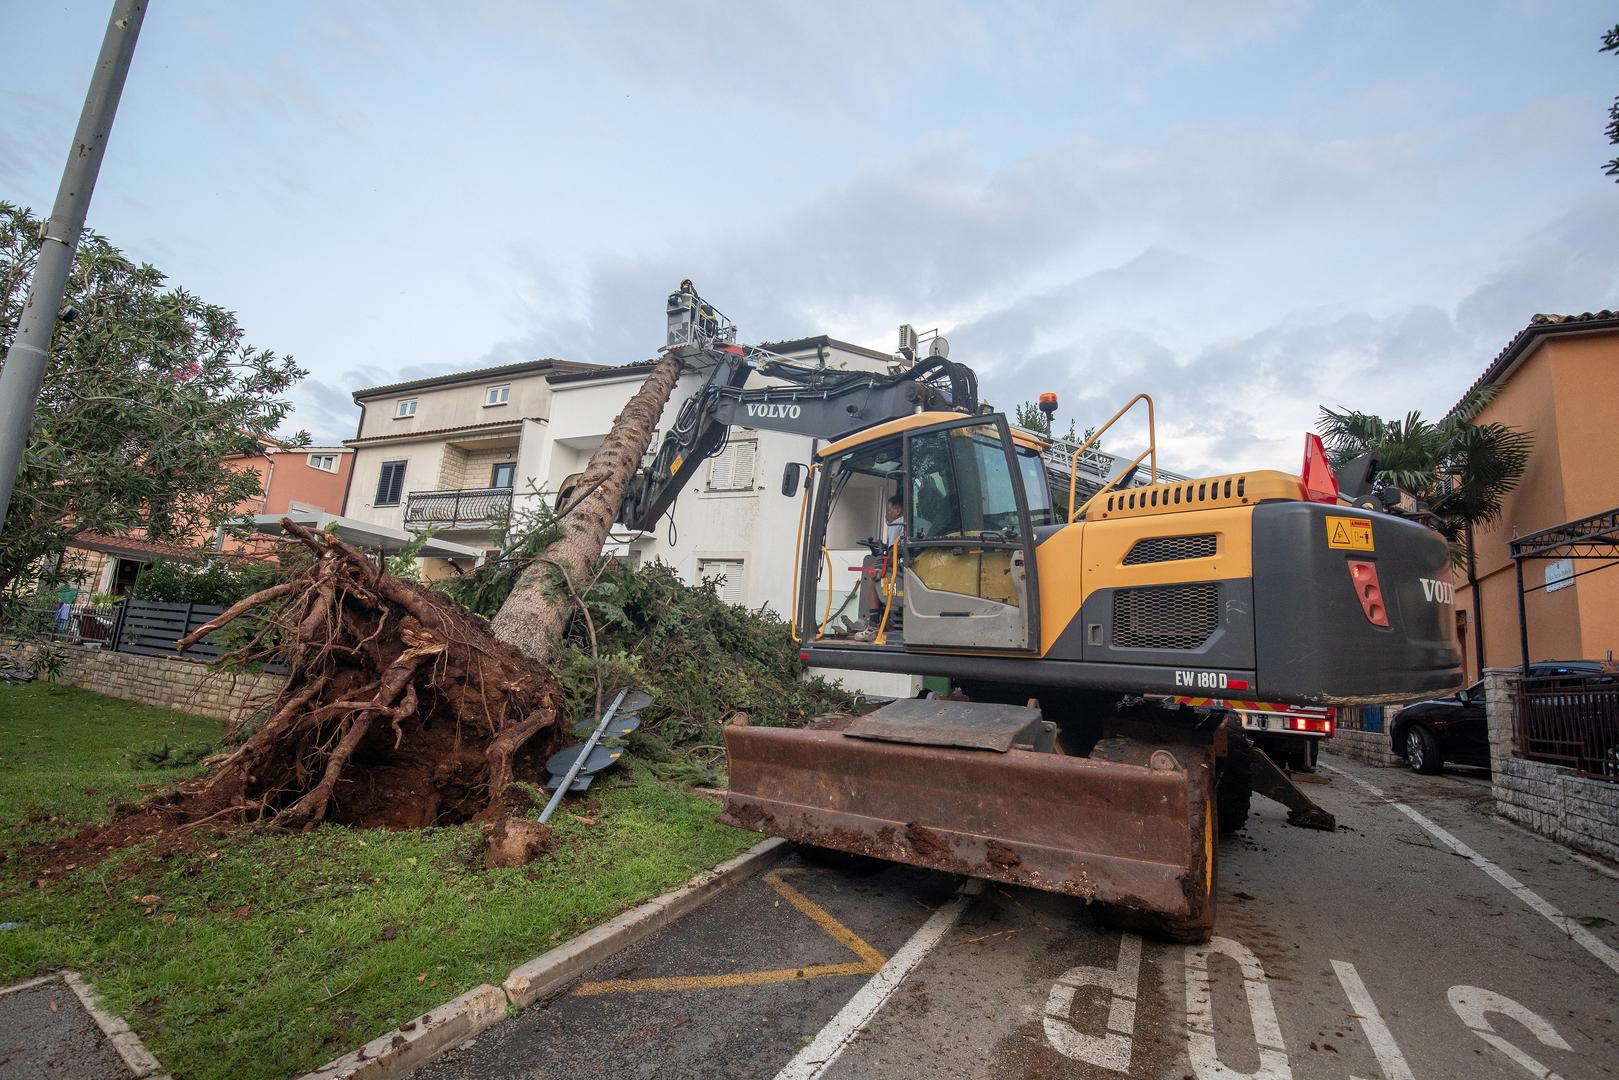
790, 477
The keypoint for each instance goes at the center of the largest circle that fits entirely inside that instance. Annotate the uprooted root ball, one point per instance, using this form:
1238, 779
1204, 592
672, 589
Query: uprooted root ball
400, 710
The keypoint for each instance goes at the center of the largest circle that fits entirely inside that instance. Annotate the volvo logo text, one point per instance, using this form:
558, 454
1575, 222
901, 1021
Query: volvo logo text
1438, 592
791, 412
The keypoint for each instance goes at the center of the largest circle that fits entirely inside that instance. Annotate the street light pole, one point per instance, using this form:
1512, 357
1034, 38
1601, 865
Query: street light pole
24, 371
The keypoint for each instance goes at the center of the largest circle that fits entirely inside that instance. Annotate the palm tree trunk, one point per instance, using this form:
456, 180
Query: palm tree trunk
535, 616
1478, 603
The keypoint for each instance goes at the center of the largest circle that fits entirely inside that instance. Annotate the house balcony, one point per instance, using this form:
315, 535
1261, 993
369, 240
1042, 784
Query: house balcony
470, 509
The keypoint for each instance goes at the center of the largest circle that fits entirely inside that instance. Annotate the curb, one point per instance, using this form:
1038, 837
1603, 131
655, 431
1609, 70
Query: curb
125, 1042
552, 970
414, 1042
397, 1052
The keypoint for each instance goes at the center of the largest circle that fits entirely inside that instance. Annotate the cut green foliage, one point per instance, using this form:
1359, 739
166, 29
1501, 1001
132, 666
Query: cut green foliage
166, 756
702, 658
265, 955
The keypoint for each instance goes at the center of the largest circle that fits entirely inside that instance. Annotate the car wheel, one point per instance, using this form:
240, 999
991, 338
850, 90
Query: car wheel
1421, 751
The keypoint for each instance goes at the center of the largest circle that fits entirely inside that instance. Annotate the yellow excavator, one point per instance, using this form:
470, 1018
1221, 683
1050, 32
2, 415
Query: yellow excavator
1057, 759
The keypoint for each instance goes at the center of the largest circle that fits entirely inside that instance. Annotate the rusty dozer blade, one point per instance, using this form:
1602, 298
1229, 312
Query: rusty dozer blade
1136, 835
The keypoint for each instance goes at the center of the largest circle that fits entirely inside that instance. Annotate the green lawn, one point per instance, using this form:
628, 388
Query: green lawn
268, 955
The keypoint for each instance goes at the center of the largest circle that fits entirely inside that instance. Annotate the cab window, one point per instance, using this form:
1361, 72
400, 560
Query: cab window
1036, 488
960, 485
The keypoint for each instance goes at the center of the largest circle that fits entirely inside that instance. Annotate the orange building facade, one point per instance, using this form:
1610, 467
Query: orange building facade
293, 478
1558, 379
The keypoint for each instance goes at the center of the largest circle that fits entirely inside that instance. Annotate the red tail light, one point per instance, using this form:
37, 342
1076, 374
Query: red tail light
1369, 590
1320, 482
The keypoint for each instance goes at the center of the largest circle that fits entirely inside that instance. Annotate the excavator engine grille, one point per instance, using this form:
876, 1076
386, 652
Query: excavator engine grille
1171, 548
1166, 616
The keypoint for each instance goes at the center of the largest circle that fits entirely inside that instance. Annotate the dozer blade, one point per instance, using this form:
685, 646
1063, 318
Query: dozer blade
1138, 836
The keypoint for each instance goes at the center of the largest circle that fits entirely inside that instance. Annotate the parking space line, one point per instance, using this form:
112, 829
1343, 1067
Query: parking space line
841, 1030
818, 914
870, 959
1586, 940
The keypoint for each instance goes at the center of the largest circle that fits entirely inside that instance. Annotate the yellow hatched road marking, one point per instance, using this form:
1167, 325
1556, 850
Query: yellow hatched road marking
870, 959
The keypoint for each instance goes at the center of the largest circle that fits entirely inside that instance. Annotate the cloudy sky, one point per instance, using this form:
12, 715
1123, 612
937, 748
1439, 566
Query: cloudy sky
1247, 209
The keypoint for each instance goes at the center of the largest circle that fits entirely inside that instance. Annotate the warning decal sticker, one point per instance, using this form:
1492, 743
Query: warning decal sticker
1352, 534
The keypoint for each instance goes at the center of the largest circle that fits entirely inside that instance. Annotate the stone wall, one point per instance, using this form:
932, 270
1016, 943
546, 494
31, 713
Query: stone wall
1557, 802
1366, 747
1501, 712
182, 685
1576, 810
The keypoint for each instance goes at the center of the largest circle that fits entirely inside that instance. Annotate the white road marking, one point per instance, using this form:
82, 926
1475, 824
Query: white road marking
840, 1031
1587, 940
1206, 1063
1389, 1058
1110, 1051
1474, 1004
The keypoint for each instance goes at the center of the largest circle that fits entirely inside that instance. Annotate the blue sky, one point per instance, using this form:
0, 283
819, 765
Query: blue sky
1247, 209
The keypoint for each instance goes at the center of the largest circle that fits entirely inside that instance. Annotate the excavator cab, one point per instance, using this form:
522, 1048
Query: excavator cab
957, 570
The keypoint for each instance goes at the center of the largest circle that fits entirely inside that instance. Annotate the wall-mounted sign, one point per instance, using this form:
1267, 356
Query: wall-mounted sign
1559, 574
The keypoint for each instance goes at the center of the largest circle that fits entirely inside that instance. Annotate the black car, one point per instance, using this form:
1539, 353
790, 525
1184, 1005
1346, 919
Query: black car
1431, 733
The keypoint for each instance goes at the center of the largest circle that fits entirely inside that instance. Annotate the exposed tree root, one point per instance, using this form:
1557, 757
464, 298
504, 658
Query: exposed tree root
401, 710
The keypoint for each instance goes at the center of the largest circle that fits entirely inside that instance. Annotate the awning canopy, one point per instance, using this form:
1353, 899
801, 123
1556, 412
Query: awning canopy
365, 534
1594, 537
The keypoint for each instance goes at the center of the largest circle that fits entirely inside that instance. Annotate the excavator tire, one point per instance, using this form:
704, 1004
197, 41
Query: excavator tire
1233, 791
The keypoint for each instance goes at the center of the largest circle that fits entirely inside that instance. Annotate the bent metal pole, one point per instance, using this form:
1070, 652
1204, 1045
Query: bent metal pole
584, 754
24, 371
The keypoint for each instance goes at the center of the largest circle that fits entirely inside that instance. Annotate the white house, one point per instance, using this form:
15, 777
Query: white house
447, 452
731, 522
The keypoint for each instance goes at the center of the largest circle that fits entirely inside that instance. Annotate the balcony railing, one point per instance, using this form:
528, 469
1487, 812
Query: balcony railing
466, 508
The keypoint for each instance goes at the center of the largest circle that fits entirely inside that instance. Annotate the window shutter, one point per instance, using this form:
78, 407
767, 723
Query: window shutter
742, 474
720, 468
733, 467
390, 483
730, 570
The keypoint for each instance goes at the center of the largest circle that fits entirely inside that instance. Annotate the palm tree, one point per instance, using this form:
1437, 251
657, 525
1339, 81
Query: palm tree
536, 614
1462, 469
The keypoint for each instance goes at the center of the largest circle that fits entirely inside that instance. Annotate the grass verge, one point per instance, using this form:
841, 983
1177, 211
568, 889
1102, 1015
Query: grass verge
267, 955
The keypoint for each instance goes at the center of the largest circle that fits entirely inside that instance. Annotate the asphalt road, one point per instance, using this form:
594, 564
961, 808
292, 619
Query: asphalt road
1425, 939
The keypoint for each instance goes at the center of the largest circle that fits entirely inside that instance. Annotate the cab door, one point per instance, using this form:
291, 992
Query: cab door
968, 545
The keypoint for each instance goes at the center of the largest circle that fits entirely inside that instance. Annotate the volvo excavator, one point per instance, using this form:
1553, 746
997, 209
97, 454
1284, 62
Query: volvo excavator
1058, 759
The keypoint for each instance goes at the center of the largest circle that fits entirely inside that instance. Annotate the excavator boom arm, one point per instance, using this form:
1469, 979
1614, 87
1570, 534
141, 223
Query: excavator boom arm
805, 399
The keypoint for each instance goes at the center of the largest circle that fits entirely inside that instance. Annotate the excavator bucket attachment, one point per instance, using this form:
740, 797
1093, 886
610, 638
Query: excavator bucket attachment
1135, 836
